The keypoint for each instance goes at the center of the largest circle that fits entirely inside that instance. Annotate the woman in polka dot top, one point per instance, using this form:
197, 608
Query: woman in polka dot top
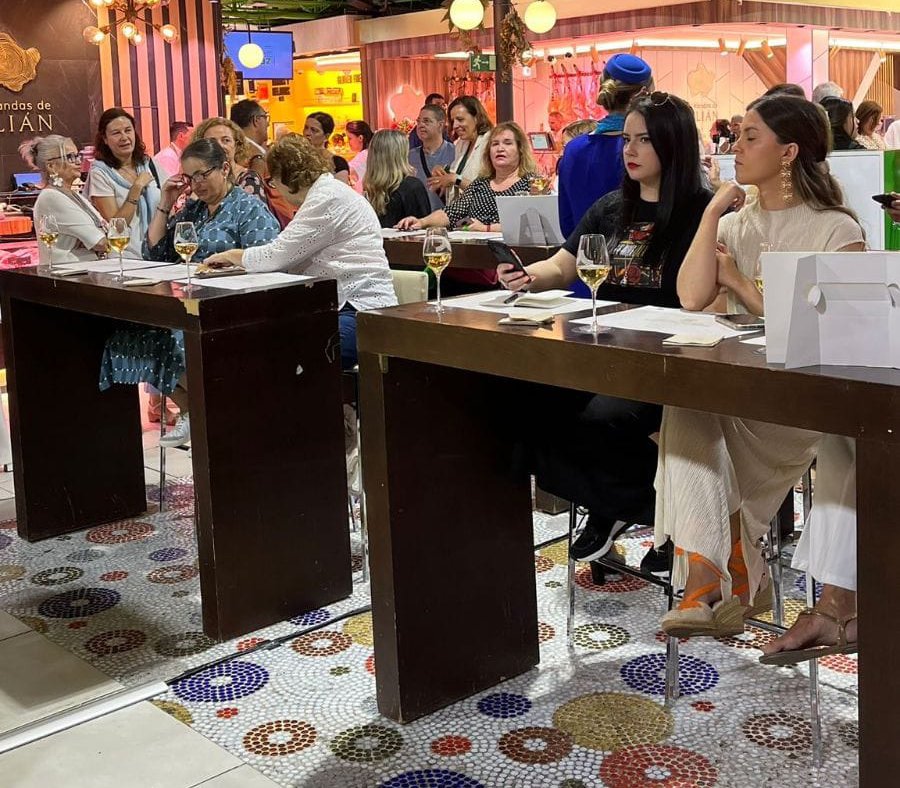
508, 171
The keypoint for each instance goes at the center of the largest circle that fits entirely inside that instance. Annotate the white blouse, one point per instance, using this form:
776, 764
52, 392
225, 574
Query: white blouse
474, 162
334, 235
78, 226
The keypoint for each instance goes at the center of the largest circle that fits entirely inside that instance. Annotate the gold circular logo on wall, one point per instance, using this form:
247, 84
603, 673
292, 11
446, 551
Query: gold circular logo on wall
17, 66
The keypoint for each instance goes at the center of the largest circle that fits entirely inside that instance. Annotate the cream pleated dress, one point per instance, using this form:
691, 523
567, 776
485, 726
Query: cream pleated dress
711, 466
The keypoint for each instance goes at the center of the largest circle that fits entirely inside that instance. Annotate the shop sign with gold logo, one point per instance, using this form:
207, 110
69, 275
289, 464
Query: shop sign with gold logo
17, 66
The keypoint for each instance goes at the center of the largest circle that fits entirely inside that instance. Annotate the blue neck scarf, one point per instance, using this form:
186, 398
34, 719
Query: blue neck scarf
145, 211
615, 123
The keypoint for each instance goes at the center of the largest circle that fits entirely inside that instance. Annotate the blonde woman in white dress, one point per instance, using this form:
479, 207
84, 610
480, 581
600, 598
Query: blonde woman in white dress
721, 479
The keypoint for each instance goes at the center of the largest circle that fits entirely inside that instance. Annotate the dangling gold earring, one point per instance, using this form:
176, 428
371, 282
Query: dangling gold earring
787, 183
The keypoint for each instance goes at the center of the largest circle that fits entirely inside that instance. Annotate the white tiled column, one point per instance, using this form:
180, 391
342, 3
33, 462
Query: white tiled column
807, 57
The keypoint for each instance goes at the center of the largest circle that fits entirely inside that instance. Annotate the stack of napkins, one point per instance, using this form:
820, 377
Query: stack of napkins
548, 299
526, 317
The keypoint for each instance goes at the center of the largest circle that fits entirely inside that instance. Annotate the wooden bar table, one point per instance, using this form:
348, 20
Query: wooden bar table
453, 590
406, 252
263, 371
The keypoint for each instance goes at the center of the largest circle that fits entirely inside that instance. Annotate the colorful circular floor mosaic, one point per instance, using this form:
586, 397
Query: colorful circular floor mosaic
79, 602
225, 682
306, 713
648, 674
612, 720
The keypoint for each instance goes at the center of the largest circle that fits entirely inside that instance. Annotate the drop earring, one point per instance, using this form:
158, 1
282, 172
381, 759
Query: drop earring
787, 183
56, 180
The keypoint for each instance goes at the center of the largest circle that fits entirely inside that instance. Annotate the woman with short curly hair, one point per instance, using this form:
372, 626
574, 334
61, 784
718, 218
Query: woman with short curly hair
233, 141
335, 234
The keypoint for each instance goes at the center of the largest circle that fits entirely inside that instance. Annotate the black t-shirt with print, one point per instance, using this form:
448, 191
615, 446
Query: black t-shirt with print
640, 273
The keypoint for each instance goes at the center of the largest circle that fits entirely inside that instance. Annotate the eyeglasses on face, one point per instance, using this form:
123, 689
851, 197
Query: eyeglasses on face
263, 115
199, 177
72, 158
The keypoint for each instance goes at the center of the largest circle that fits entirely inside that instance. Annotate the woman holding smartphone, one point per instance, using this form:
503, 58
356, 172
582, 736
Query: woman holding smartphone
597, 450
721, 479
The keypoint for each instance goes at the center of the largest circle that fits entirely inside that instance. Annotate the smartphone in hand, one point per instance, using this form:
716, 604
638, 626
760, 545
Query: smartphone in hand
503, 254
886, 200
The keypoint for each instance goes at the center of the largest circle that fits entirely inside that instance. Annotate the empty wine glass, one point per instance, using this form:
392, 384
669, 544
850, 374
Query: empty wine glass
48, 232
437, 252
186, 245
592, 265
118, 233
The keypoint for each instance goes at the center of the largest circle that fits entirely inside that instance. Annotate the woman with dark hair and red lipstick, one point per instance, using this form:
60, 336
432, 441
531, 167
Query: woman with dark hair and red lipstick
597, 450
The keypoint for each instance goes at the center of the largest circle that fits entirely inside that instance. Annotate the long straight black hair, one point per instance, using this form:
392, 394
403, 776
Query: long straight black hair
672, 130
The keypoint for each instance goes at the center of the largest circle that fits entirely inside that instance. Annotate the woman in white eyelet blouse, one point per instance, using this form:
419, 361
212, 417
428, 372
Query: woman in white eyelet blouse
335, 234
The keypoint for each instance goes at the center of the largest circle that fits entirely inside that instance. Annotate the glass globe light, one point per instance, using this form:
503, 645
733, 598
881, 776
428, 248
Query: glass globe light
251, 55
467, 14
540, 16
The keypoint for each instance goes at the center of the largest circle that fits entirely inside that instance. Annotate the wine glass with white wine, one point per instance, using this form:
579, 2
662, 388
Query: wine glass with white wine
592, 265
118, 234
48, 233
186, 245
757, 268
437, 253
541, 180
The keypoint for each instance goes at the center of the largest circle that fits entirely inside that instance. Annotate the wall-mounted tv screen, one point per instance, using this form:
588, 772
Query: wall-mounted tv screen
278, 54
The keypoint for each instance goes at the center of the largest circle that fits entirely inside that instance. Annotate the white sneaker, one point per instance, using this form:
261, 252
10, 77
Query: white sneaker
178, 435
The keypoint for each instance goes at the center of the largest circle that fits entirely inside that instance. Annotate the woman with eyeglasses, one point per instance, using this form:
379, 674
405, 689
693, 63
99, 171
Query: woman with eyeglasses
123, 182
82, 230
318, 129
334, 234
597, 450
721, 479
225, 217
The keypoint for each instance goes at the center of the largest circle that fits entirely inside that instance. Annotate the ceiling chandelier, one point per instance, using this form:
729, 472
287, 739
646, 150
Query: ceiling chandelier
128, 21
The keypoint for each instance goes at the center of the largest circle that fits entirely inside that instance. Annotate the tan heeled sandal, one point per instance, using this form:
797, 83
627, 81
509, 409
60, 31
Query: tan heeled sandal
843, 646
763, 601
693, 617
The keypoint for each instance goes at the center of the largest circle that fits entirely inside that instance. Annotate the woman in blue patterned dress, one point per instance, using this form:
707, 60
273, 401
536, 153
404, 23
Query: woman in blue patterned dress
226, 218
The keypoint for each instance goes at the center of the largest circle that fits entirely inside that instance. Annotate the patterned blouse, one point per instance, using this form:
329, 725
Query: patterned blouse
252, 183
479, 201
241, 221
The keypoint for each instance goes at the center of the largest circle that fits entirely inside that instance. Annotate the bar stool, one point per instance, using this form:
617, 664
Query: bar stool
410, 287
671, 691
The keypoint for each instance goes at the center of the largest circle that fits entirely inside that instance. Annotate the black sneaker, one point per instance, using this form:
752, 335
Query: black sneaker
596, 539
658, 561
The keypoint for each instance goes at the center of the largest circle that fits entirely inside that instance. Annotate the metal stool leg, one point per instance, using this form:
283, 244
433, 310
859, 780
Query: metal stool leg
363, 528
672, 689
570, 577
775, 571
815, 719
162, 453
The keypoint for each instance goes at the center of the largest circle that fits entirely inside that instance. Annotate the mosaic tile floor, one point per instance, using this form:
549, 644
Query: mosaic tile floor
125, 597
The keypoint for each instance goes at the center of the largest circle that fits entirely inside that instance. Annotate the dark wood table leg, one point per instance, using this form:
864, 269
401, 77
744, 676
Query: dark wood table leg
272, 522
450, 535
878, 537
77, 452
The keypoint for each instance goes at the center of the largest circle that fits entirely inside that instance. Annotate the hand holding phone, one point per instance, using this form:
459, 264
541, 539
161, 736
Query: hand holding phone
513, 276
886, 200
